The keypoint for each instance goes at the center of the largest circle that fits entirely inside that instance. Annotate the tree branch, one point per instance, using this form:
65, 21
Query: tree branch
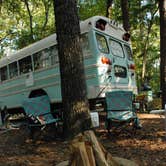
46, 7
30, 16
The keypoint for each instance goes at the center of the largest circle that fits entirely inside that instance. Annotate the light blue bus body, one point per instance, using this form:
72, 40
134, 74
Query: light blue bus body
34, 70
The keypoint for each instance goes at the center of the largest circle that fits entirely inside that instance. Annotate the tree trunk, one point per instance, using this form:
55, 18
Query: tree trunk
109, 4
146, 45
30, 17
73, 84
0, 6
125, 14
162, 7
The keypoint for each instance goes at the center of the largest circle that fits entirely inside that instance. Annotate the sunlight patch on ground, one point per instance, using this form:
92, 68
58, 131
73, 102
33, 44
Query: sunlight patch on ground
150, 116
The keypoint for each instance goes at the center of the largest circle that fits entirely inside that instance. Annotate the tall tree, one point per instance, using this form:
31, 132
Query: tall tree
30, 17
144, 22
108, 8
150, 23
162, 8
125, 14
73, 85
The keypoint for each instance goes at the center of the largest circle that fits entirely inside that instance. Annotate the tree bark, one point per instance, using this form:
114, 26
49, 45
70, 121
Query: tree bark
0, 6
145, 50
47, 6
109, 4
73, 84
125, 14
162, 7
30, 17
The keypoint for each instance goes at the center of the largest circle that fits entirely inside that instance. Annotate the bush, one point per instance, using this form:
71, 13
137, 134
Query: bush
155, 104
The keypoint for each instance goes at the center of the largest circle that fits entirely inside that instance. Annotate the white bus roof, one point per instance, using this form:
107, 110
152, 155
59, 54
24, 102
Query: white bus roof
112, 29
31, 49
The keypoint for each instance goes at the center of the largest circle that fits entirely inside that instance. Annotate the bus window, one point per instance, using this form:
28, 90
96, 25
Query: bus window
54, 54
128, 52
120, 71
25, 65
45, 58
85, 45
4, 73
116, 48
36, 60
102, 43
13, 70
42, 59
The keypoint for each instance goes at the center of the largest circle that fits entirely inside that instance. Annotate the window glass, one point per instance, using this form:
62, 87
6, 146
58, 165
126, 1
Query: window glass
54, 55
41, 59
46, 58
102, 43
4, 74
120, 71
36, 60
13, 70
85, 44
116, 48
128, 52
25, 65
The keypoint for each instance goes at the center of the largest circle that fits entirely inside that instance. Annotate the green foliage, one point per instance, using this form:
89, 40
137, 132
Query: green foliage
87, 10
145, 41
15, 21
16, 31
116, 11
155, 104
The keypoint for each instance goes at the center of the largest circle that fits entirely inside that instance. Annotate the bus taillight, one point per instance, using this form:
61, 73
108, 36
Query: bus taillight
106, 60
132, 66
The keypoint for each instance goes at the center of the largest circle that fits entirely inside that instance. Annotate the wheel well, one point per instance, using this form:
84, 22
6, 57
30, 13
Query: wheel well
37, 93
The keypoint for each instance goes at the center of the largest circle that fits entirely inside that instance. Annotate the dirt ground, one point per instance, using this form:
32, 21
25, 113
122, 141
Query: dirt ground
147, 147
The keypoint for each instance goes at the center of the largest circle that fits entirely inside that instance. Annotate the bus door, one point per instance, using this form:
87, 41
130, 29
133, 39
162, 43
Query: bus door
119, 63
104, 60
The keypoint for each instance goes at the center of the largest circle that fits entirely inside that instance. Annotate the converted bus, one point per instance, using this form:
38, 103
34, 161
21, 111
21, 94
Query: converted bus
34, 70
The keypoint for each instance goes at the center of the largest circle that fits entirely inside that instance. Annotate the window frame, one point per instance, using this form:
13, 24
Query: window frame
129, 57
120, 44
22, 68
86, 52
45, 62
120, 74
17, 69
7, 73
98, 45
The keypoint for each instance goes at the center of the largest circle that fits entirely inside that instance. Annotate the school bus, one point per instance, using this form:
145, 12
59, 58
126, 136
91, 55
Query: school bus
34, 70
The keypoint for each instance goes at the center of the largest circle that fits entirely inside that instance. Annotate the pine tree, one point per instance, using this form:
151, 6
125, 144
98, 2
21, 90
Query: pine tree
73, 85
